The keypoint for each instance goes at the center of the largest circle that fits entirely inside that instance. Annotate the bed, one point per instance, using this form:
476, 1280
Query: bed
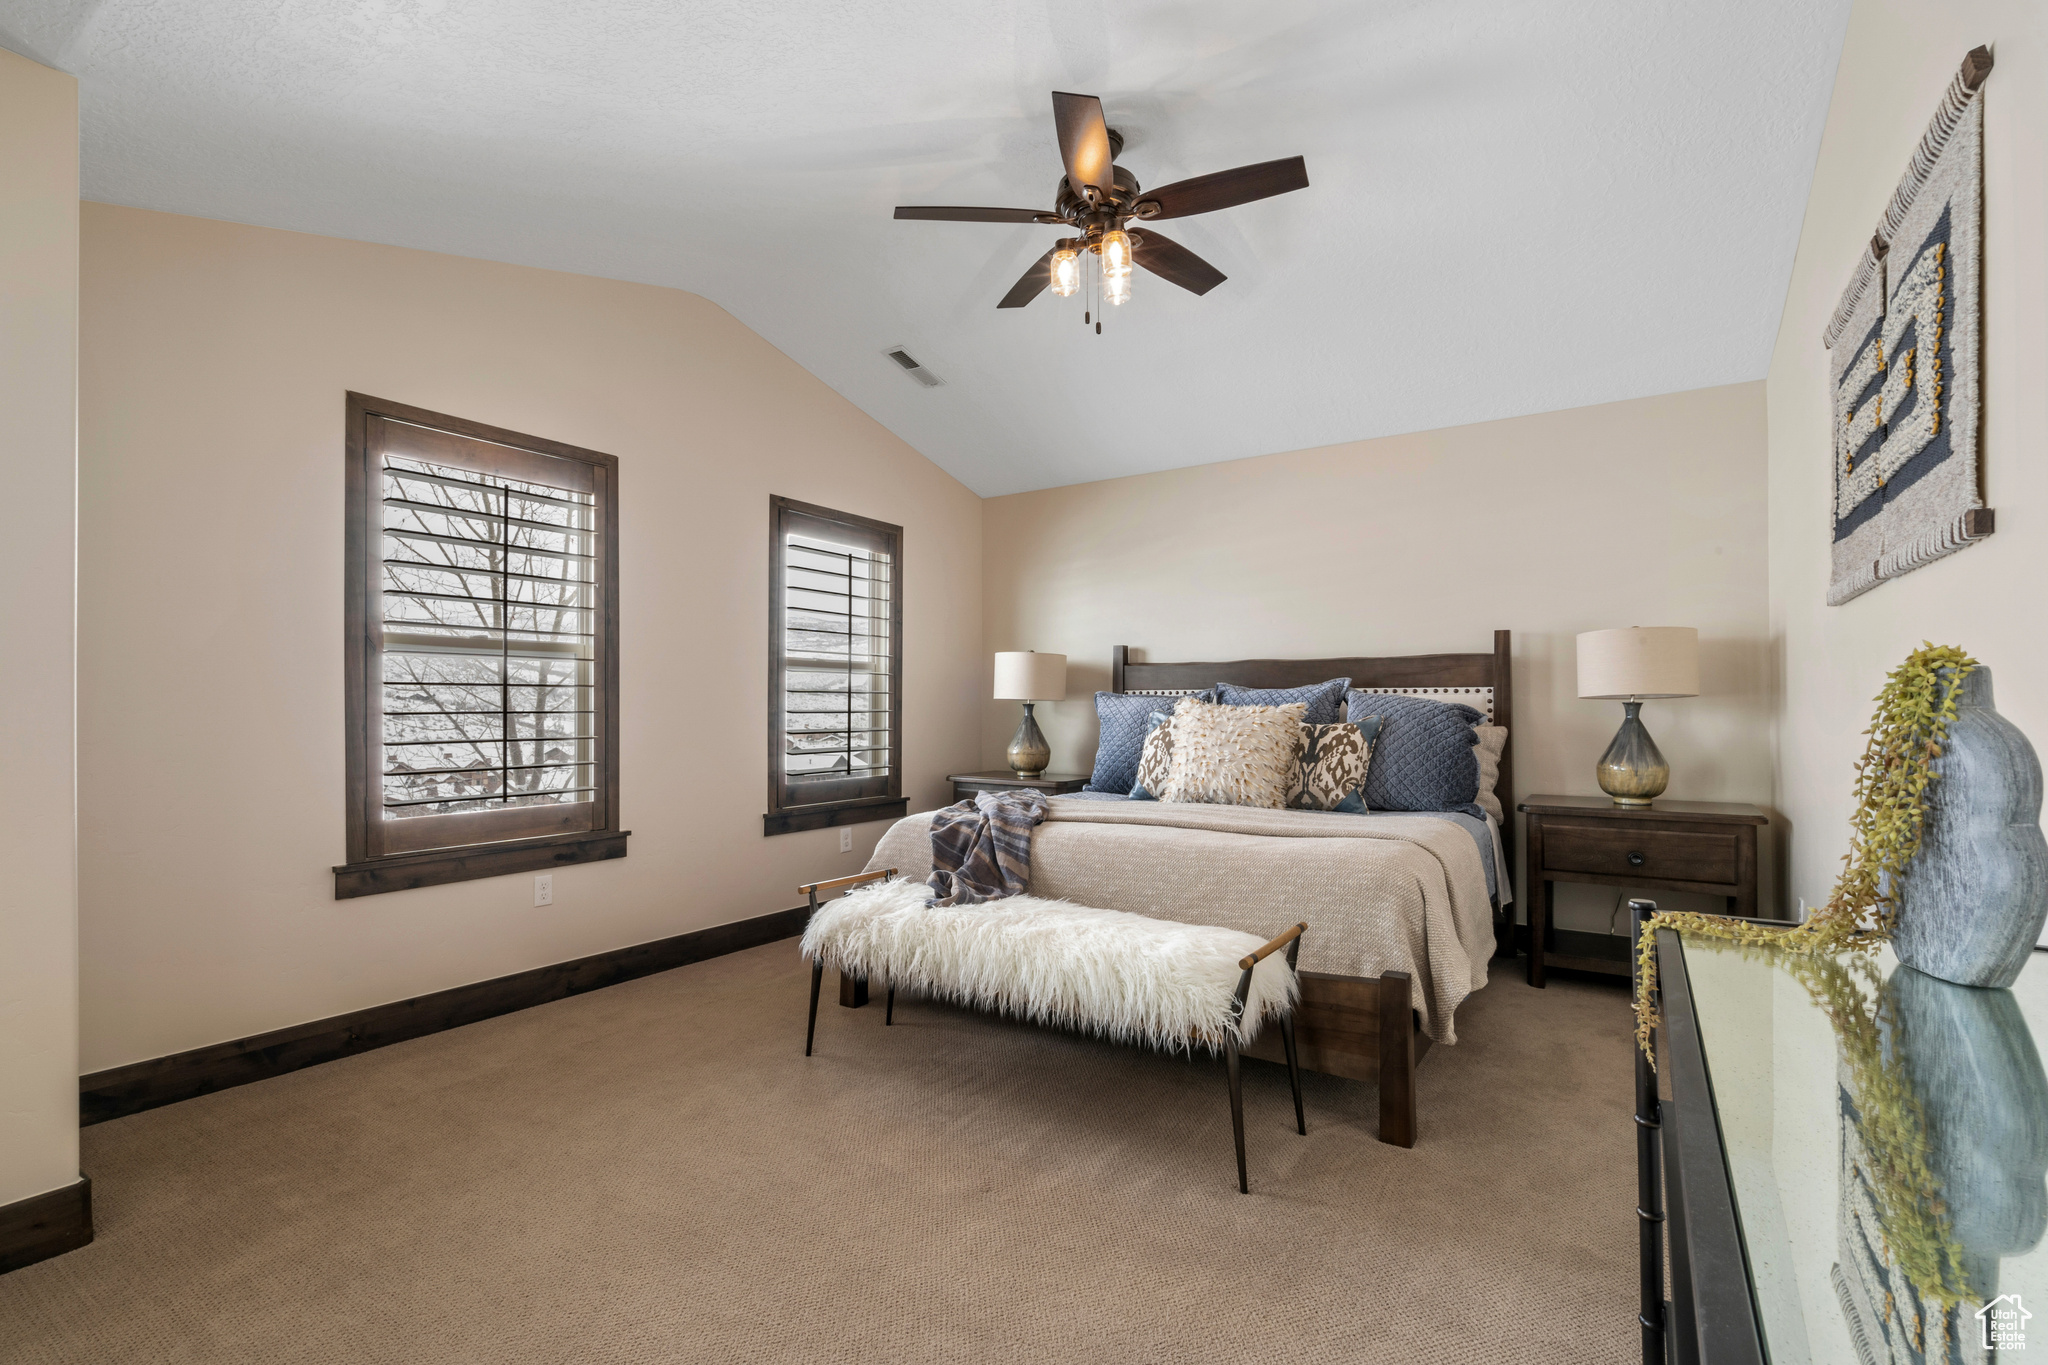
1403, 910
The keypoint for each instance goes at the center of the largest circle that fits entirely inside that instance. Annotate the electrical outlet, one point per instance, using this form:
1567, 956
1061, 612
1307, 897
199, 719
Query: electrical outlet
544, 889
845, 839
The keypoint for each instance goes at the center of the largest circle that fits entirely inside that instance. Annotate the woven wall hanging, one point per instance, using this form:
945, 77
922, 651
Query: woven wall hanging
1904, 362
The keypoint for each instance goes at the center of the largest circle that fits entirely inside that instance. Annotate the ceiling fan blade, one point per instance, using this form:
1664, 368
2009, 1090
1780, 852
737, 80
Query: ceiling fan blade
1084, 140
1226, 189
948, 214
1030, 284
1169, 260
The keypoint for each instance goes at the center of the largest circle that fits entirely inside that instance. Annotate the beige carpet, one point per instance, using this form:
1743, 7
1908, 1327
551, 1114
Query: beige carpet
654, 1172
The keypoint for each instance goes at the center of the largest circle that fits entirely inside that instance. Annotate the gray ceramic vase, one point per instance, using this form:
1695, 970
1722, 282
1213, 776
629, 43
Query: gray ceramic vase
1973, 900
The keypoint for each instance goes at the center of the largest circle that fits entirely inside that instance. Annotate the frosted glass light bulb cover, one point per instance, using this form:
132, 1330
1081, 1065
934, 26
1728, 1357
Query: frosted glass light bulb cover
1116, 266
1116, 252
1066, 271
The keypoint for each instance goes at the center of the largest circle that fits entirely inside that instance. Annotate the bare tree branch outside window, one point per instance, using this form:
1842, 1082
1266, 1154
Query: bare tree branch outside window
488, 598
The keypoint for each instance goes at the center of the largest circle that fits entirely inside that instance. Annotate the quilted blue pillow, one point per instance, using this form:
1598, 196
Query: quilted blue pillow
1325, 700
1123, 720
1424, 758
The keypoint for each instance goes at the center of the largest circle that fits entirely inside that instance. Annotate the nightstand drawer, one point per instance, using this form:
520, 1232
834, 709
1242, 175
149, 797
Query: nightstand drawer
1664, 854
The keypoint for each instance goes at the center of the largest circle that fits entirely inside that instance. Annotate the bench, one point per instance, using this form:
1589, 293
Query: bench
1126, 977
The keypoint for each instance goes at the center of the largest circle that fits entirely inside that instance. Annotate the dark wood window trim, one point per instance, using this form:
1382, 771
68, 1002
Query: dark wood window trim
497, 843
860, 801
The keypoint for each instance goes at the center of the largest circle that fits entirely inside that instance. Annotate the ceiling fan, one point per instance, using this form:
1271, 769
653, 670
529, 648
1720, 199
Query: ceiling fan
1097, 198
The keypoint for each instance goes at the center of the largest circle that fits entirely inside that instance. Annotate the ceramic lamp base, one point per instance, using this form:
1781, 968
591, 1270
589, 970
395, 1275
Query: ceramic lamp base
1029, 753
1633, 770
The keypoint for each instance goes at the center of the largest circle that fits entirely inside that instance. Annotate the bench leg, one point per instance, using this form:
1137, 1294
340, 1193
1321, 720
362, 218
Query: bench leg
889, 1013
1293, 1071
817, 978
1236, 1110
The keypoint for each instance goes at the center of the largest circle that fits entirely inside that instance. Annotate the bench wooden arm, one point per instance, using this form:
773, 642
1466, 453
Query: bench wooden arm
1271, 948
856, 879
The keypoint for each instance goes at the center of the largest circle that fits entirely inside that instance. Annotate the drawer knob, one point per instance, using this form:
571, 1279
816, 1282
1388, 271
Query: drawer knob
1635, 860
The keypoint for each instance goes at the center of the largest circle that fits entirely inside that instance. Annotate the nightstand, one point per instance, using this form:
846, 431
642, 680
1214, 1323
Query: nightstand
1704, 846
966, 785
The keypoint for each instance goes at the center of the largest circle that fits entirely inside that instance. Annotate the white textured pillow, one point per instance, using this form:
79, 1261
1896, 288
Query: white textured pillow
1493, 741
1234, 755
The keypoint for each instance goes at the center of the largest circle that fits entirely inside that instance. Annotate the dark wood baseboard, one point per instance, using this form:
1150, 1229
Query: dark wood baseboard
45, 1225
124, 1090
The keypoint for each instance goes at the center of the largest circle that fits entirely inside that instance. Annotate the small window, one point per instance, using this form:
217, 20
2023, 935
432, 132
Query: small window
835, 626
481, 654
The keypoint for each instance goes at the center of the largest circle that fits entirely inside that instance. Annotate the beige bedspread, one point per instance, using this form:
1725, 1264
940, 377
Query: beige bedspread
1380, 893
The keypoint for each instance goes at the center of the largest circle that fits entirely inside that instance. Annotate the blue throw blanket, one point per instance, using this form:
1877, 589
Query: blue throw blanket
981, 849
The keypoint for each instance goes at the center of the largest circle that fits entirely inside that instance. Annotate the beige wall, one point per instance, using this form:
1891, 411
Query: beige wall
38, 416
1648, 512
213, 369
1899, 57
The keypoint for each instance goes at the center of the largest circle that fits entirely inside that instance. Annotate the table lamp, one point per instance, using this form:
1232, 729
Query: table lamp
1028, 677
1632, 666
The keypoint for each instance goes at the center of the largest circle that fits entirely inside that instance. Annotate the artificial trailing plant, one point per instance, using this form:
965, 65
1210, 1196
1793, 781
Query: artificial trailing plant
1905, 737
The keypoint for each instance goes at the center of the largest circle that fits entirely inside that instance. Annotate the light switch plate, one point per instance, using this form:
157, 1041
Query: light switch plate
544, 889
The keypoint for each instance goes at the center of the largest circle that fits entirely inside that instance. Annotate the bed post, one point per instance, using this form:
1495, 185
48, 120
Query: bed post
1397, 1060
1504, 788
1118, 657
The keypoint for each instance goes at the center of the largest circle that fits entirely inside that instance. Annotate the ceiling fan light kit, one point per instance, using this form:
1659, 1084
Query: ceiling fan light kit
1098, 199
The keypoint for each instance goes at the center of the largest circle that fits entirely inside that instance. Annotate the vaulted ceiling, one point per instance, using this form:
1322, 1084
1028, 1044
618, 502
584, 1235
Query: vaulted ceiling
1513, 207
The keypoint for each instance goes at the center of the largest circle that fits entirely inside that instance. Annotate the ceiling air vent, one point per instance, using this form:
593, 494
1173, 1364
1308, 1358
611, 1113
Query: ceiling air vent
913, 369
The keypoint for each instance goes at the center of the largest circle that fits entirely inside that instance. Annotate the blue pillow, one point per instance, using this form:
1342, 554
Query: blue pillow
1123, 721
1425, 757
1325, 700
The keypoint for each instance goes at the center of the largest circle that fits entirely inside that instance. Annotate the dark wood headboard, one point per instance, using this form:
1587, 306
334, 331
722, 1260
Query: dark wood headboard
1408, 672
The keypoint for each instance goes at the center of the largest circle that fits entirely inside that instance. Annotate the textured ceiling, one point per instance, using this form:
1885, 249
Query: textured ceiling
1514, 207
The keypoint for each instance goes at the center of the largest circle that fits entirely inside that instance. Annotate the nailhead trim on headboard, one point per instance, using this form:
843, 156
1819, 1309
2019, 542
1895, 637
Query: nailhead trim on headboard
1478, 698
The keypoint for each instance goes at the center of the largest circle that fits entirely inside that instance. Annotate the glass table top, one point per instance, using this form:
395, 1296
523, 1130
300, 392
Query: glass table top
1887, 1143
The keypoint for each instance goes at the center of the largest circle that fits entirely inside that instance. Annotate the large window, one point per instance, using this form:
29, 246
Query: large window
481, 653
835, 625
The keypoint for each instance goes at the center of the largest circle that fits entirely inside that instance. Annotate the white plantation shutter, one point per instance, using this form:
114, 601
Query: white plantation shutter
837, 659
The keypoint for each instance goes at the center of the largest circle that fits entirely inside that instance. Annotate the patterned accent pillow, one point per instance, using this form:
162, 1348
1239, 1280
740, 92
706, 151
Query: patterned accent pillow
1331, 767
1155, 765
1325, 700
1234, 755
1425, 758
1493, 742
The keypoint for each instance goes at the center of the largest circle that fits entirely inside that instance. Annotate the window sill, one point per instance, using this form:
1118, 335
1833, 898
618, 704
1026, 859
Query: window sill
839, 813
434, 867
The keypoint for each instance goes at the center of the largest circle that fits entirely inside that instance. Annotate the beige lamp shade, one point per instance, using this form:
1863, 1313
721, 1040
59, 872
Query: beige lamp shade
1025, 676
1641, 661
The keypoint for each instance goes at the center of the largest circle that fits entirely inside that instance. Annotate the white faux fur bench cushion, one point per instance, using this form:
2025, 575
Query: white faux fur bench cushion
1123, 976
